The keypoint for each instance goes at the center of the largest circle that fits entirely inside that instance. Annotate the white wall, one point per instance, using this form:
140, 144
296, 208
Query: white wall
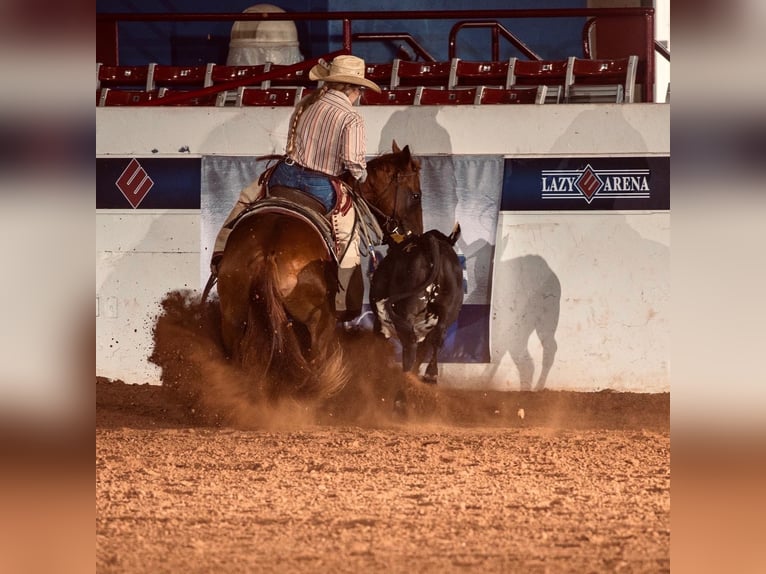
613, 269
141, 255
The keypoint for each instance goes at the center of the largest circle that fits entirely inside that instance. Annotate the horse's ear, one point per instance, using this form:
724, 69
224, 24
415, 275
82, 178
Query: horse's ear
395, 147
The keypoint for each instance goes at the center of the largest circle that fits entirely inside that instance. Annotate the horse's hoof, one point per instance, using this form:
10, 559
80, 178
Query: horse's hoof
428, 379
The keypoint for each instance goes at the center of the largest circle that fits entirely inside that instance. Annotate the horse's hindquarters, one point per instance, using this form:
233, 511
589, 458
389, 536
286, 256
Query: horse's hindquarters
276, 291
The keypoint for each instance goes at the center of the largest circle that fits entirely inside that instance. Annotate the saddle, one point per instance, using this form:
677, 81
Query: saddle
295, 206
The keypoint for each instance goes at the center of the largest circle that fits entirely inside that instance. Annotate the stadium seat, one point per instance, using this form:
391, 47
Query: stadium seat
550, 73
518, 95
205, 100
161, 76
430, 96
388, 96
406, 73
293, 79
465, 73
131, 77
270, 96
115, 97
380, 73
223, 74
608, 80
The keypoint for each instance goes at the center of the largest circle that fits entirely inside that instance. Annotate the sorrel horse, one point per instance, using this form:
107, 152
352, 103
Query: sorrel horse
277, 283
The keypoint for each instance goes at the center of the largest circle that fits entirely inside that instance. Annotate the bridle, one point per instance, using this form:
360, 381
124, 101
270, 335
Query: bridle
391, 224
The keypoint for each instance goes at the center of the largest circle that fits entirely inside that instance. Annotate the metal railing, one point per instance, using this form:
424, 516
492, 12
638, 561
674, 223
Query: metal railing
497, 30
419, 50
107, 30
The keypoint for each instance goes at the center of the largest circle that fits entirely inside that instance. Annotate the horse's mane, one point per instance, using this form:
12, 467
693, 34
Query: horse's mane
383, 159
399, 159
394, 160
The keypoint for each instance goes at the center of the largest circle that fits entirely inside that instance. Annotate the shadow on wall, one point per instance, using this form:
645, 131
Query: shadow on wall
574, 138
418, 127
534, 293
612, 315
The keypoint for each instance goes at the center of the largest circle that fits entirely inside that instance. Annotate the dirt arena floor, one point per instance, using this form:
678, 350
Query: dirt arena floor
192, 475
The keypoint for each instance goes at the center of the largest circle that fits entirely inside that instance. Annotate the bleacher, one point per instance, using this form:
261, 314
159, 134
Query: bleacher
454, 82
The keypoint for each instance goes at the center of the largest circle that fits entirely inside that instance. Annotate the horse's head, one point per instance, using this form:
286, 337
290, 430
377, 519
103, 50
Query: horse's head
393, 189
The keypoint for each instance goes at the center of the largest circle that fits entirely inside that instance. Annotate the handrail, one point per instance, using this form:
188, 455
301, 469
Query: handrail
497, 28
664, 52
370, 15
106, 23
419, 50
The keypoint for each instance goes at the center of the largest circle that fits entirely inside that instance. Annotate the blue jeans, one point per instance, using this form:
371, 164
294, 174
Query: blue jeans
314, 183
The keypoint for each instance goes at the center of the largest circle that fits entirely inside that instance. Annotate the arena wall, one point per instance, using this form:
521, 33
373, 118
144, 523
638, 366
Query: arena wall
602, 259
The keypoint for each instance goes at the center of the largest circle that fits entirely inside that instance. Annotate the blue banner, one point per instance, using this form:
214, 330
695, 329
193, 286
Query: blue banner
582, 184
148, 183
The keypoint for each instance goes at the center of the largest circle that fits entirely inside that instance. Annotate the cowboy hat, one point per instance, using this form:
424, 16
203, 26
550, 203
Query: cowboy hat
343, 69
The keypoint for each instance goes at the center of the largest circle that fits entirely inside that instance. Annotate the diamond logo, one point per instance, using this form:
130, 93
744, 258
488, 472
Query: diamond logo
589, 183
134, 183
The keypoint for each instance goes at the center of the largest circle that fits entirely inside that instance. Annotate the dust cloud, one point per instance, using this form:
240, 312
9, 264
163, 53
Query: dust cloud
198, 376
197, 372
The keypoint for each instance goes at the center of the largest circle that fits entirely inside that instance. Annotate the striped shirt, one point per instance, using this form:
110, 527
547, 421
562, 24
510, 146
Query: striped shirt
330, 137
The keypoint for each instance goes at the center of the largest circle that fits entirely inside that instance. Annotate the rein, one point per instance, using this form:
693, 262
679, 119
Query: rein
389, 219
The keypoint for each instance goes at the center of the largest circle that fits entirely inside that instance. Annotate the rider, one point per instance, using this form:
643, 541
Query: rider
327, 137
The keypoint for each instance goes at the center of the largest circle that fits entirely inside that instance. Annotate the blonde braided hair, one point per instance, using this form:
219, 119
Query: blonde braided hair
301, 107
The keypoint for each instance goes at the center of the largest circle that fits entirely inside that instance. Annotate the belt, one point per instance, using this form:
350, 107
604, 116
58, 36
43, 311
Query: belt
292, 163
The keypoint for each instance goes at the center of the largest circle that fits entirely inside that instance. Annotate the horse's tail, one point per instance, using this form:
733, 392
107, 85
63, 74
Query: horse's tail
283, 360
267, 318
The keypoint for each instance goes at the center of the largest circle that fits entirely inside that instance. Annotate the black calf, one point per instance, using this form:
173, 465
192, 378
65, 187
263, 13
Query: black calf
416, 294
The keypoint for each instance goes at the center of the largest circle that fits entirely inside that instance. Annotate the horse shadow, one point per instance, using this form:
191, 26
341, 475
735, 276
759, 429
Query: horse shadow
533, 291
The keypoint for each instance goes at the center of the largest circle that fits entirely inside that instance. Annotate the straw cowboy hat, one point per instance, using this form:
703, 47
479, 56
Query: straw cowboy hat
343, 69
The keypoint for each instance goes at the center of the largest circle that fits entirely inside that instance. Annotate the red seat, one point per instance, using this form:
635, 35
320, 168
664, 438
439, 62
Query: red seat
220, 73
224, 74
464, 73
379, 73
115, 97
429, 96
179, 76
551, 73
518, 95
122, 76
389, 97
537, 72
292, 79
606, 80
270, 96
204, 100
406, 73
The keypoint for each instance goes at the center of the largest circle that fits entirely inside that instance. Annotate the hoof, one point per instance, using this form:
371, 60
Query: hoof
428, 379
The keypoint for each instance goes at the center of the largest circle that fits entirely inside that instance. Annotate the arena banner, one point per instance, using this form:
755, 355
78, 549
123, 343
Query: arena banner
147, 183
456, 189
586, 184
